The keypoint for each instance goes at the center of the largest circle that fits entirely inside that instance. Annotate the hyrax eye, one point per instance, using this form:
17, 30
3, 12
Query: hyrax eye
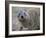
18, 14
25, 14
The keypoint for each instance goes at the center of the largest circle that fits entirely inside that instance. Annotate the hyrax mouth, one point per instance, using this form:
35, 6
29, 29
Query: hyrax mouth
22, 20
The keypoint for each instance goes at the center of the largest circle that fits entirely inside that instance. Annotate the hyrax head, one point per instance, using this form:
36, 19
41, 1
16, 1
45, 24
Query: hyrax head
23, 15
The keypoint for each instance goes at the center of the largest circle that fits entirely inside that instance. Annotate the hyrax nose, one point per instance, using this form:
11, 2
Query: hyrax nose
22, 17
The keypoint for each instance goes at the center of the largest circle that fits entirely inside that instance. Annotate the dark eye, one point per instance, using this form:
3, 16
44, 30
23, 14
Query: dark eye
25, 14
18, 14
